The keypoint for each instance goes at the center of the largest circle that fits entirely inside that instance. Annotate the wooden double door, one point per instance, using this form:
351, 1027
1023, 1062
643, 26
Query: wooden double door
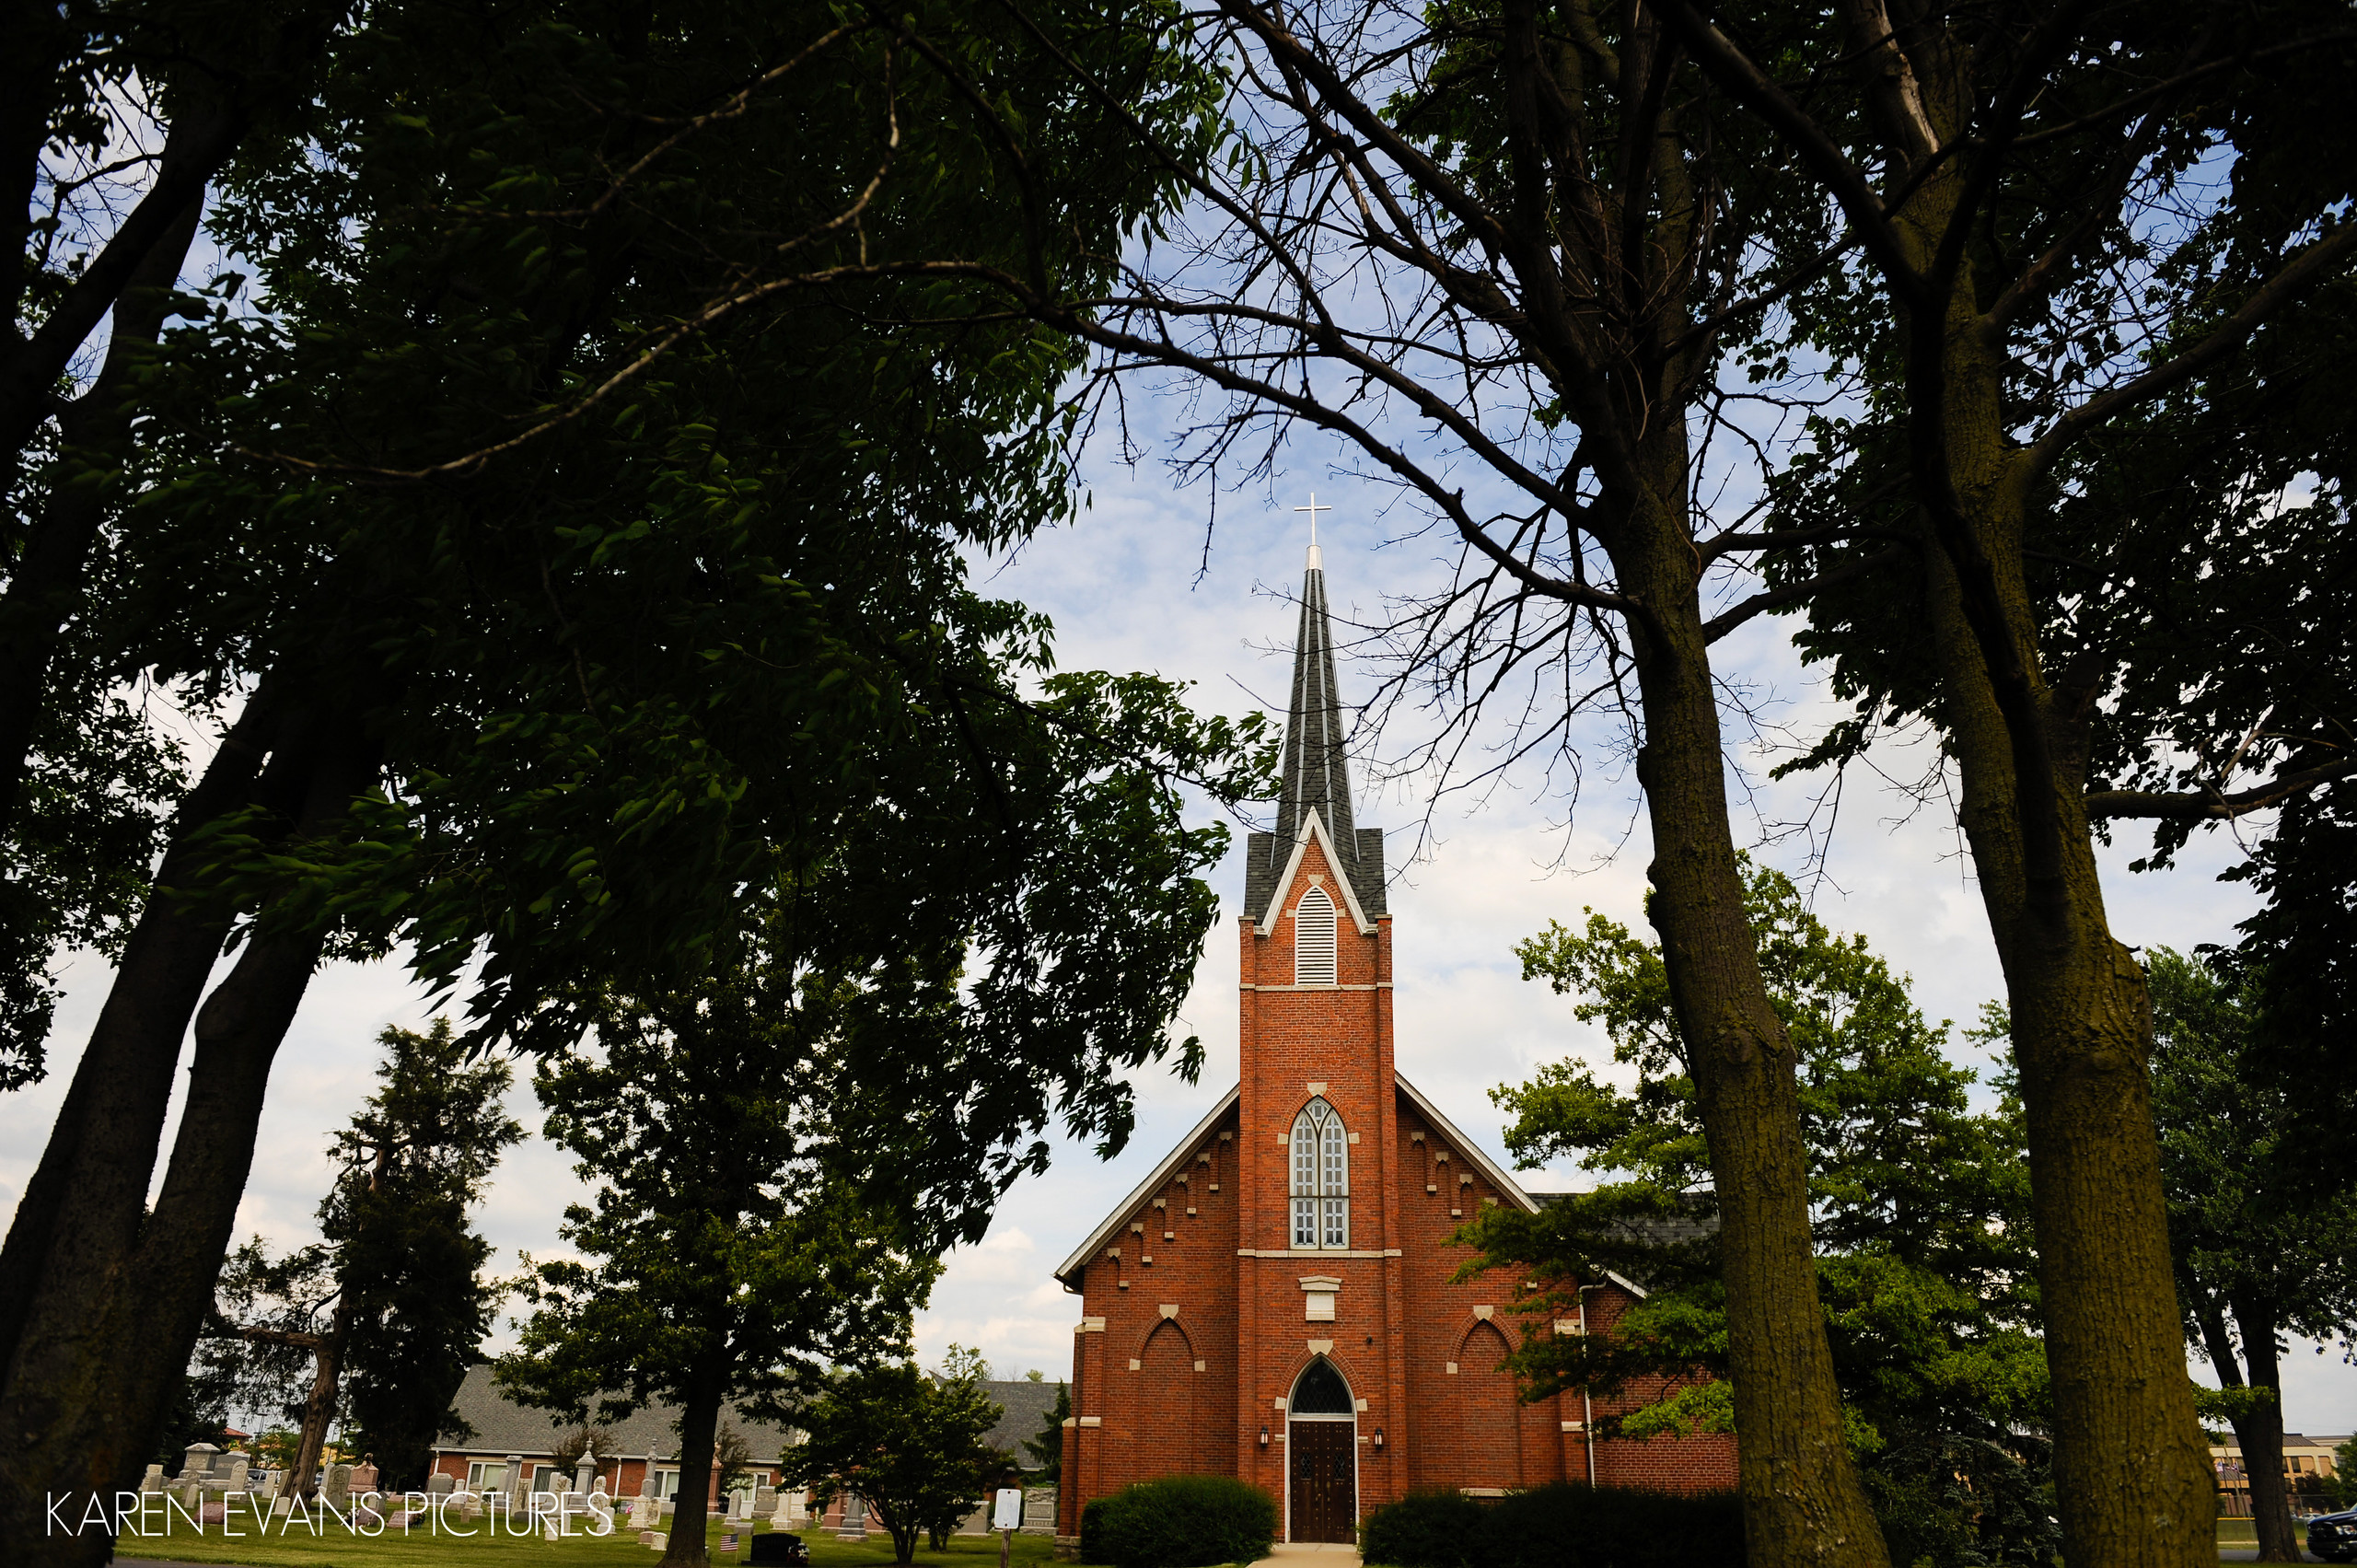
1325, 1482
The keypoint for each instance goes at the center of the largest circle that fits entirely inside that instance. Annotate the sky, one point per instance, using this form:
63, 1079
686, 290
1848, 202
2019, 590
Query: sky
1131, 586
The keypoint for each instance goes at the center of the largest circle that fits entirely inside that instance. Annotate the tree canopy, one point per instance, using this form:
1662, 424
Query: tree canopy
1920, 1213
907, 1442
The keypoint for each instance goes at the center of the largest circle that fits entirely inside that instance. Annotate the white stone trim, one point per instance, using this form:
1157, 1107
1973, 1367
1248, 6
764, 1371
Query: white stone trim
1312, 823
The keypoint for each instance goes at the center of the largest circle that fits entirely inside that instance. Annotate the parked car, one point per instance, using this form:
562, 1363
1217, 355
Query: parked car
2333, 1537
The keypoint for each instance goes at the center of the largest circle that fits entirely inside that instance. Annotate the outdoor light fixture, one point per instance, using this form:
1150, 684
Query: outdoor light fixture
1379, 1440
1265, 1438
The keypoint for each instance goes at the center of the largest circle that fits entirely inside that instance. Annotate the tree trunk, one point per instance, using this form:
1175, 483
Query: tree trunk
1802, 1498
319, 1408
106, 1338
2260, 1431
699, 1432
2132, 1473
45, 588
85, 1200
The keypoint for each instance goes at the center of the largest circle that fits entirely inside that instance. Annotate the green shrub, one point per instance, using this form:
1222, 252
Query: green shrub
1424, 1530
1092, 1531
1557, 1527
1186, 1521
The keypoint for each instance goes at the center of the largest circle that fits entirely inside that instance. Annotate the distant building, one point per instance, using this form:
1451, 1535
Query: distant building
507, 1432
2308, 1464
1277, 1302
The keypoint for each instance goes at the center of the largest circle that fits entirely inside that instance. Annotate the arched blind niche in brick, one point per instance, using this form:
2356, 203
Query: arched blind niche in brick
1321, 1177
1313, 939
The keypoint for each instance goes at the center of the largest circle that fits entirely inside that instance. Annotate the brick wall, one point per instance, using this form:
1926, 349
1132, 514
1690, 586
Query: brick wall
1194, 1326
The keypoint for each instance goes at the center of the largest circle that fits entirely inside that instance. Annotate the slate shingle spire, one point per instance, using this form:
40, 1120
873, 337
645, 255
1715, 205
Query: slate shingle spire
1317, 773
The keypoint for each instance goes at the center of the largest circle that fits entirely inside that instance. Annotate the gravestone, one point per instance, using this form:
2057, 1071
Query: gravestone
440, 1484
196, 1461
337, 1489
240, 1466
855, 1526
364, 1477
153, 1480
585, 1472
765, 1500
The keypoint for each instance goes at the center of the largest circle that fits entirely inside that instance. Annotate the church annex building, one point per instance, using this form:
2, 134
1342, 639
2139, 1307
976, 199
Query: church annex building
1276, 1301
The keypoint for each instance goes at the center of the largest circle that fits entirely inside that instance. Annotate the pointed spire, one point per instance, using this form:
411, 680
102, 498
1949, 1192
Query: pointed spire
1316, 773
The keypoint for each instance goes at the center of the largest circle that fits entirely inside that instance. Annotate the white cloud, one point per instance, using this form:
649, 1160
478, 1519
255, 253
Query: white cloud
1132, 588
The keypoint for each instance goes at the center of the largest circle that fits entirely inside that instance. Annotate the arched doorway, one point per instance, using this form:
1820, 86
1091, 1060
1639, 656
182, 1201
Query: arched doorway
1321, 1457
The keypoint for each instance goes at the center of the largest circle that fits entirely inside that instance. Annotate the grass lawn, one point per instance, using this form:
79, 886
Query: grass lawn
339, 1550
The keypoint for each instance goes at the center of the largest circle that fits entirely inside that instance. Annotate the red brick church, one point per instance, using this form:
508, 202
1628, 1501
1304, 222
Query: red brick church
1276, 1301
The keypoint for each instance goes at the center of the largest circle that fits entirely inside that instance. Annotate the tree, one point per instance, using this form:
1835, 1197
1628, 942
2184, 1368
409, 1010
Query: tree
906, 1443
1519, 241
723, 608
1046, 1446
741, 1240
2260, 1251
1918, 1207
120, 116
390, 1310
2001, 174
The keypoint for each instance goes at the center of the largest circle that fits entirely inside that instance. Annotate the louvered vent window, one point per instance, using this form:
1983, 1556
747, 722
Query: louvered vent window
1321, 1177
1313, 939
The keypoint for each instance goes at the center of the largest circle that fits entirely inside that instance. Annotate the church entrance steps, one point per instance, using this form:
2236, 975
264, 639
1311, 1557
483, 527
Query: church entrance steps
1323, 1554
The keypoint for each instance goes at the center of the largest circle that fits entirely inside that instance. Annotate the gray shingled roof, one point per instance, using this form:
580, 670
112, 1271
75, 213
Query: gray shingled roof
502, 1426
1027, 1405
1317, 773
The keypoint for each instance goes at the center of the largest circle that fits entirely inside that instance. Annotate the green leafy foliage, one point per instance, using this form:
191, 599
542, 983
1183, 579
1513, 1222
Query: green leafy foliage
2262, 1247
1919, 1204
709, 652
728, 1255
907, 1443
1183, 1521
1558, 1526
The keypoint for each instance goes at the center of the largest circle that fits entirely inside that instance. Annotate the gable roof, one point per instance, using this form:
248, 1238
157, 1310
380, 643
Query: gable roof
1024, 1406
1313, 826
1491, 1170
1067, 1271
503, 1426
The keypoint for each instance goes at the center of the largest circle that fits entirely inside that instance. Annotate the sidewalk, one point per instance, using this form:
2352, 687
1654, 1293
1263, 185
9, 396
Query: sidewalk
1314, 1554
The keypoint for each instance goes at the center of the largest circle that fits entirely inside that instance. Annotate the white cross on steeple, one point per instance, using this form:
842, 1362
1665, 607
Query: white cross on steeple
1317, 561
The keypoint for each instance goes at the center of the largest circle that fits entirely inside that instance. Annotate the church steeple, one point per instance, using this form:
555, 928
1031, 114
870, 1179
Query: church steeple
1317, 773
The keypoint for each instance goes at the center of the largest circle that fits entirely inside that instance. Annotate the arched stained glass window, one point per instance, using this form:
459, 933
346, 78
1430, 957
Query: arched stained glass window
1313, 939
1321, 1177
1320, 1391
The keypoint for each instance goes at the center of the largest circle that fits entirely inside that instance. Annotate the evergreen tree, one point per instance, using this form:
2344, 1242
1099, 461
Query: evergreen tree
1047, 1445
379, 1322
